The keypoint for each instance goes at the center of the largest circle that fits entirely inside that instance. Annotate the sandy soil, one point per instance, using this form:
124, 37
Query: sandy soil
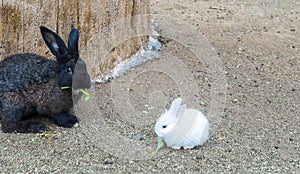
257, 131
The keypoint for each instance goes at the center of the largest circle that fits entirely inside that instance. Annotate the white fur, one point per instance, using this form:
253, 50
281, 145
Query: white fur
169, 117
186, 128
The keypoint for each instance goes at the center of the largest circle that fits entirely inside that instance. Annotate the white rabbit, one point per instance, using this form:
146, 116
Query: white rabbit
182, 127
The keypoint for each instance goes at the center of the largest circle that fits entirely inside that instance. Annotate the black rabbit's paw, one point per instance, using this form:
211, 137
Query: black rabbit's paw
71, 122
65, 120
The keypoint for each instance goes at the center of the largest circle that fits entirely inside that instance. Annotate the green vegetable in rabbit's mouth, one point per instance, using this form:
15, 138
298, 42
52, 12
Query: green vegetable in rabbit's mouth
65, 87
160, 144
87, 95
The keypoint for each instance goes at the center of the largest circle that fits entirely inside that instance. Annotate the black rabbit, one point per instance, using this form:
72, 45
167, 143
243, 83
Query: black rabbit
30, 85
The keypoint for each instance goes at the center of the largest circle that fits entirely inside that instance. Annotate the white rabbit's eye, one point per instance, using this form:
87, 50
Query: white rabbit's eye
164, 126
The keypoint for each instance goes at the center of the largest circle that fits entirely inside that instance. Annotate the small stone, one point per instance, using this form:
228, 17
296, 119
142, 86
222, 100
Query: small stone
203, 103
234, 100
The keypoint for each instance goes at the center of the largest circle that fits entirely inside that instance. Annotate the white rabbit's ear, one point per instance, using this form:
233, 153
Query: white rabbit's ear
177, 109
180, 111
175, 105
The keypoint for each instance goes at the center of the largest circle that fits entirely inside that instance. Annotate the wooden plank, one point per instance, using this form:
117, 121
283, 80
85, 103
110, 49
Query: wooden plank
20, 21
11, 26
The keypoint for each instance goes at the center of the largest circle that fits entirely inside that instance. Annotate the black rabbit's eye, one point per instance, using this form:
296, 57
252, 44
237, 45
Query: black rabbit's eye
164, 126
69, 70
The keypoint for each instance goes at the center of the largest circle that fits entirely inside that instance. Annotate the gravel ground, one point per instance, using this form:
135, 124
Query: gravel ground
258, 45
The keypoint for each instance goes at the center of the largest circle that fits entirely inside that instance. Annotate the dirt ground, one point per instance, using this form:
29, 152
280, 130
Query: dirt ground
256, 131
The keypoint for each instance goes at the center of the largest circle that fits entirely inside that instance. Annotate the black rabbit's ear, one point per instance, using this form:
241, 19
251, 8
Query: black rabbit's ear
55, 44
73, 42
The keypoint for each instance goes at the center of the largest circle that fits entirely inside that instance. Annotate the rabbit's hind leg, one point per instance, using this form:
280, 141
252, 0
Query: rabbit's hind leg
27, 126
11, 121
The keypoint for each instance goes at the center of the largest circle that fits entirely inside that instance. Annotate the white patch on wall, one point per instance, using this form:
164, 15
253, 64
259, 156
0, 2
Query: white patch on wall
139, 58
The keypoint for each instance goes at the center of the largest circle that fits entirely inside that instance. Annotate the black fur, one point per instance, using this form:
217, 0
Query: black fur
31, 85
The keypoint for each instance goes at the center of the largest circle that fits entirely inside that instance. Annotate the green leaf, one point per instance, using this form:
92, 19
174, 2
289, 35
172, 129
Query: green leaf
86, 98
35, 139
65, 87
45, 134
160, 144
87, 95
84, 92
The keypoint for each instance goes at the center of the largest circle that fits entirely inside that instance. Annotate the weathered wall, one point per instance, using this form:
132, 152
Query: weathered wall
20, 21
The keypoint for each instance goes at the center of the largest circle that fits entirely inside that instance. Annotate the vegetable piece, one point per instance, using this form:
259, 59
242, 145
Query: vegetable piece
87, 95
65, 87
160, 144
